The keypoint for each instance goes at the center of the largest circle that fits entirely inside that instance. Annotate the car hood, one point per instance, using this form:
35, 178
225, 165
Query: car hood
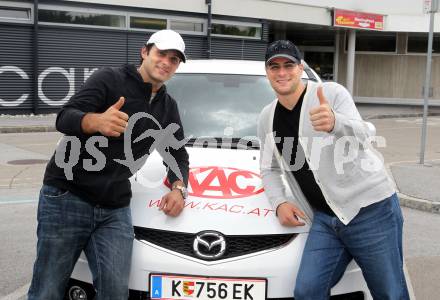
225, 194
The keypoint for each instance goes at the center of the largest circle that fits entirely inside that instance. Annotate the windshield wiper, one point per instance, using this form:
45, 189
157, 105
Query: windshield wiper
225, 143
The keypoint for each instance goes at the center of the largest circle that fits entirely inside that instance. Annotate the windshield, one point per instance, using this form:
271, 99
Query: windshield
220, 105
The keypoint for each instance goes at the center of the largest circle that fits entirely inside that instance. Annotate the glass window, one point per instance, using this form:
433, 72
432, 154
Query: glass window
321, 62
209, 103
148, 23
374, 42
15, 13
418, 43
81, 18
236, 30
312, 38
186, 26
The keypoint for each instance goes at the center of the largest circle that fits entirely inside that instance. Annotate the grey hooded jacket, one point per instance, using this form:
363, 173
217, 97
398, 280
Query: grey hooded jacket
349, 171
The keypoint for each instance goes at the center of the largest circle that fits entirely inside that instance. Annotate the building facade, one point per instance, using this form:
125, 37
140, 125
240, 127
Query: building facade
49, 48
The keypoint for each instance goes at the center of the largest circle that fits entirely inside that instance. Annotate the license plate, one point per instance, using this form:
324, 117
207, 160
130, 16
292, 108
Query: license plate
171, 286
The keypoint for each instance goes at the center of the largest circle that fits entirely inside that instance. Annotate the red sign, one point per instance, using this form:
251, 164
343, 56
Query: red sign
353, 19
222, 183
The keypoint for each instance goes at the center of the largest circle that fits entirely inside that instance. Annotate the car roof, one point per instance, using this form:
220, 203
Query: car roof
224, 66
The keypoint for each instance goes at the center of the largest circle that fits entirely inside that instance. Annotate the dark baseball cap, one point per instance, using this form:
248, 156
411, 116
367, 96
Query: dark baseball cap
283, 48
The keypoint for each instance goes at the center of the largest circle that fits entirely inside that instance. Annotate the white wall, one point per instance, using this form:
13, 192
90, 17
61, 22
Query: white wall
400, 15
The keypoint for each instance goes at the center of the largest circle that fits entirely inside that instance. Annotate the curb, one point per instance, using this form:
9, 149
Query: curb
414, 115
419, 204
25, 129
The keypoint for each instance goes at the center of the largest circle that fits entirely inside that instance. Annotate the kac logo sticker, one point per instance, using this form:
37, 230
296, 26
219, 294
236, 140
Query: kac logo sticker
222, 183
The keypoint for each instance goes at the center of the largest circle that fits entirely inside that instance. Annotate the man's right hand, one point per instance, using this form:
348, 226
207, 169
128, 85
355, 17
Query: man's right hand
288, 214
112, 122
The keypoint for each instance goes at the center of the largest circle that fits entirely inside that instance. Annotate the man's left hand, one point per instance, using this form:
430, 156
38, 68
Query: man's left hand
322, 117
172, 203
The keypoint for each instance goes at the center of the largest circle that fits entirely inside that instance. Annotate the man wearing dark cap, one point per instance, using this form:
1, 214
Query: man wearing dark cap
88, 208
314, 136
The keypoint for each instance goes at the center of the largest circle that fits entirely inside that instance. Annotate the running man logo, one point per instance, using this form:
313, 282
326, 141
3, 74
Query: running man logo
188, 288
222, 183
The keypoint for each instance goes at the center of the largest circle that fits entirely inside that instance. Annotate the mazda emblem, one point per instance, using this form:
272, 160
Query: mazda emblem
209, 245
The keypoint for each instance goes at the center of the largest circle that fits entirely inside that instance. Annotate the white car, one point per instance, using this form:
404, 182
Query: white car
227, 243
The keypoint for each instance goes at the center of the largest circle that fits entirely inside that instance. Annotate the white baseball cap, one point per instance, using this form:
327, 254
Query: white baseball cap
167, 39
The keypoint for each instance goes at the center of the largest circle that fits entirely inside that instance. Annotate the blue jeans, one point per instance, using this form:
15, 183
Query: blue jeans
373, 239
68, 225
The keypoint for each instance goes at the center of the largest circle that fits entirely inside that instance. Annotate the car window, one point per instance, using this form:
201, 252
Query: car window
211, 105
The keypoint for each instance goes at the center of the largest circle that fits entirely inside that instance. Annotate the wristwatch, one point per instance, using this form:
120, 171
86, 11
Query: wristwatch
182, 190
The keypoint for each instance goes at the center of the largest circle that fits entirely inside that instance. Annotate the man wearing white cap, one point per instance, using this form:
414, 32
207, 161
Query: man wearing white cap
88, 208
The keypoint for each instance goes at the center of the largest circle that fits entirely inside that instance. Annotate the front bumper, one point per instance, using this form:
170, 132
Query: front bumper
279, 266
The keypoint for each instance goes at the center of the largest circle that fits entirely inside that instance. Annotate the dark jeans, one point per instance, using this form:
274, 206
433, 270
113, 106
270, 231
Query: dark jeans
373, 239
68, 225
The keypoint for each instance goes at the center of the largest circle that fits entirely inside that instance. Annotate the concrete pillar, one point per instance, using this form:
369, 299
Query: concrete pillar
350, 59
280, 31
336, 57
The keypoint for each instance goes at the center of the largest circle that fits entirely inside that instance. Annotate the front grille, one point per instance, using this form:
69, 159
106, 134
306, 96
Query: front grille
236, 245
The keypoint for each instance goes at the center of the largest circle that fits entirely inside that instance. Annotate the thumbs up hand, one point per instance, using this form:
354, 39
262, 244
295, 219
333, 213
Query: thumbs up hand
112, 122
118, 105
322, 117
